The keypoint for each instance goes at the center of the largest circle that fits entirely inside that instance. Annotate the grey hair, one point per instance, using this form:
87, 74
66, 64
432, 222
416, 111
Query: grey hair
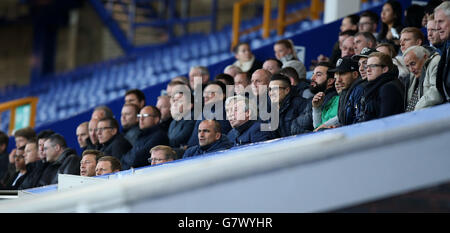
445, 6
203, 70
249, 105
418, 50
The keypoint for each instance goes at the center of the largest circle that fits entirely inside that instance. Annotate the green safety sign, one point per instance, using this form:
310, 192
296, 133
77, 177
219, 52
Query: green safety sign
22, 118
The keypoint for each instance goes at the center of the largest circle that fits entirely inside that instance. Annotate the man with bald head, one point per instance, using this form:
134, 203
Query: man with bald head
151, 135
210, 139
163, 104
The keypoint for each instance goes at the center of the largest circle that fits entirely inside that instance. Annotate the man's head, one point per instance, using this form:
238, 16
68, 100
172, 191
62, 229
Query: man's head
107, 128
378, 64
442, 18
387, 48
101, 112
54, 146
161, 154
241, 81
92, 128
135, 96
31, 152
432, 32
163, 104
272, 65
283, 48
322, 78
348, 47
149, 116
410, 36
181, 101
239, 110
364, 40
346, 72
368, 22
260, 79
22, 136
209, 131
128, 116
42, 137
415, 57
89, 162
232, 70
214, 92
279, 88
107, 165
19, 159
362, 61
242, 52
82, 133
350, 22
292, 74
198, 75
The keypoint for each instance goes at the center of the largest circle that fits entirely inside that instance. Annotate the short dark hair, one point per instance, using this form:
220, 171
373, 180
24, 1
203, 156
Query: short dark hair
44, 134
27, 133
4, 139
279, 63
330, 67
368, 36
115, 163
354, 19
290, 72
112, 122
155, 110
221, 85
348, 33
98, 154
57, 138
226, 77
138, 93
282, 78
235, 49
372, 15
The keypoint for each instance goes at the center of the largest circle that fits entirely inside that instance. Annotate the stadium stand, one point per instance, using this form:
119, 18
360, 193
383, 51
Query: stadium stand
377, 151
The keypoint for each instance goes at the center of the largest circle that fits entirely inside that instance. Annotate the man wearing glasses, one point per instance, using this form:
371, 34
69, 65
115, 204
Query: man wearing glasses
111, 141
289, 104
161, 154
151, 135
384, 93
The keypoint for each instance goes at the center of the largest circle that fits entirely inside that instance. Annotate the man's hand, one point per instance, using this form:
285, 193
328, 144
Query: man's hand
317, 100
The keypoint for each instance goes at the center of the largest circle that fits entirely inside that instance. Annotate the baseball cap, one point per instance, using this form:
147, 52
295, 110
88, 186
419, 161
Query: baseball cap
345, 64
365, 52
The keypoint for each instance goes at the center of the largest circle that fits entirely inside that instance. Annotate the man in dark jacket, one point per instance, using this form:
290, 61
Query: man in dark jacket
242, 117
111, 141
181, 104
130, 122
151, 135
210, 139
290, 106
214, 98
61, 159
384, 92
442, 19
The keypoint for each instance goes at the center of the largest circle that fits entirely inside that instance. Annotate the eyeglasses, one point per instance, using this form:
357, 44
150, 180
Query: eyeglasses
150, 160
102, 129
372, 66
144, 115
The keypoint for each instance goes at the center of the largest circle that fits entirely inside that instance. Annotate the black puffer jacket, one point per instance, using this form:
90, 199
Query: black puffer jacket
382, 97
67, 163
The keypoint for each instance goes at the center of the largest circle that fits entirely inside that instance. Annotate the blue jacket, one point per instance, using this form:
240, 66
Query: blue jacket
349, 102
139, 154
291, 108
304, 122
180, 131
382, 97
249, 132
224, 125
222, 144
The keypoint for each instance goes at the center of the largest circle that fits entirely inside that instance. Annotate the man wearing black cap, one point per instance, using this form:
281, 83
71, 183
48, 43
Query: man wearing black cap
347, 77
